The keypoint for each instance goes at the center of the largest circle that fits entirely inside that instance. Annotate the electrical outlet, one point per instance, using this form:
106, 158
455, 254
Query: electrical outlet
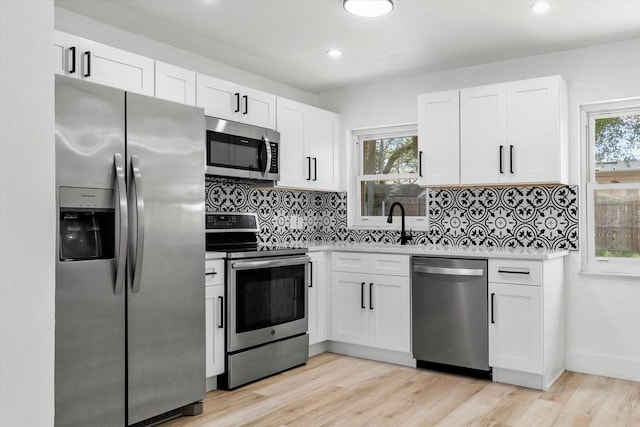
293, 222
301, 223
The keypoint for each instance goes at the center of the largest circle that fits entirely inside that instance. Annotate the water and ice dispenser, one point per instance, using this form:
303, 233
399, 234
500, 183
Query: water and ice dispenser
87, 223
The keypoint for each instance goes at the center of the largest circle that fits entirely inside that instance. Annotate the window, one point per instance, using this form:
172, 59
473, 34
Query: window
387, 172
613, 187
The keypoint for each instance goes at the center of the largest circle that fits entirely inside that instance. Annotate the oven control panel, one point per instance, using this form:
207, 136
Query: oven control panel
231, 222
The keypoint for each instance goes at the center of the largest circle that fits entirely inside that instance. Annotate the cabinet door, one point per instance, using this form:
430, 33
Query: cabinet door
515, 327
257, 108
321, 145
439, 138
389, 311
214, 315
353, 262
534, 144
387, 264
116, 68
318, 298
175, 84
219, 98
483, 135
66, 54
309, 145
349, 314
291, 120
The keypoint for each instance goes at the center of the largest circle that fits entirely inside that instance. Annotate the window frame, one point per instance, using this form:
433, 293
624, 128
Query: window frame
592, 264
358, 221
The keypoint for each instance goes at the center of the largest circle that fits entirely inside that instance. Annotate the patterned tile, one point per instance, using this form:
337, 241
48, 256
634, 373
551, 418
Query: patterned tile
537, 217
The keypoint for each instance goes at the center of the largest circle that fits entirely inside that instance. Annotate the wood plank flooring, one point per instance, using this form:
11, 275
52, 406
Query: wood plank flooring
334, 390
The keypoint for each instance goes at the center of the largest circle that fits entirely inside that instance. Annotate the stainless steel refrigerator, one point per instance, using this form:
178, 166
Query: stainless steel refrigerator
130, 297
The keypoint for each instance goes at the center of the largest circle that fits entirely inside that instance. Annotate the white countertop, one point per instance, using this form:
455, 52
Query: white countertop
424, 250
438, 250
214, 255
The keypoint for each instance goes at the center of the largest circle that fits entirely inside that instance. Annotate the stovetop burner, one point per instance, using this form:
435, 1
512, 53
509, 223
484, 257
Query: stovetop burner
236, 234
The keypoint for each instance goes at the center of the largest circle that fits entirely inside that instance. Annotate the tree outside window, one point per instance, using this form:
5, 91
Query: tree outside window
613, 189
388, 173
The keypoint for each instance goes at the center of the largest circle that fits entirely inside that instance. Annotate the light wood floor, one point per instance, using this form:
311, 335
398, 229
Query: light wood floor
333, 390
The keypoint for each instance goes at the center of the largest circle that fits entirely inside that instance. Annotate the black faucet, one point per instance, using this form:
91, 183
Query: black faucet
404, 236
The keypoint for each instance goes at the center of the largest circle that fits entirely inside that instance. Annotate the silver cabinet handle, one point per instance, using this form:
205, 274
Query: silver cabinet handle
449, 271
136, 264
123, 217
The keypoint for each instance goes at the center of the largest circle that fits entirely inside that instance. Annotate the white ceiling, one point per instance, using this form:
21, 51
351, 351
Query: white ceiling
287, 40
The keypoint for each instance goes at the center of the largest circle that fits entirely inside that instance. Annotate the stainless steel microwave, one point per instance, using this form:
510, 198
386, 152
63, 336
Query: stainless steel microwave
242, 151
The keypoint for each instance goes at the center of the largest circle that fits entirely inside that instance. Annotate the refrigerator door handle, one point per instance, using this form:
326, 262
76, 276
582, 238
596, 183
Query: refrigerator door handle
123, 217
137, 264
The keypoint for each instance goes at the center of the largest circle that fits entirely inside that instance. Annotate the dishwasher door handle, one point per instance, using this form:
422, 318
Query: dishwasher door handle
449, 271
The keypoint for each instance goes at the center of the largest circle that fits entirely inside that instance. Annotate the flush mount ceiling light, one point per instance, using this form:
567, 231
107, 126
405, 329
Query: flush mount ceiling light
368, 8
334, 53
541, 7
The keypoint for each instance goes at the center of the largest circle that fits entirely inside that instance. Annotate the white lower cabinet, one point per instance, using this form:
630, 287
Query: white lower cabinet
368, 308
526, 321
318, 298
516, 327
214, 317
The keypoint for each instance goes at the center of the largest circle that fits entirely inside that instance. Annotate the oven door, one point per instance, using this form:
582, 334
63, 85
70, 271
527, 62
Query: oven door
267, 300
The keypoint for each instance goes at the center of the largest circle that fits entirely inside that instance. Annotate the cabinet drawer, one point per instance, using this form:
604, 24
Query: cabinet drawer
352, 262
214, 272
515, 271
393, 265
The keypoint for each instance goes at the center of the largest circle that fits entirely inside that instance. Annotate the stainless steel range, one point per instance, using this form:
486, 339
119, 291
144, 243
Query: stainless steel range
266, 308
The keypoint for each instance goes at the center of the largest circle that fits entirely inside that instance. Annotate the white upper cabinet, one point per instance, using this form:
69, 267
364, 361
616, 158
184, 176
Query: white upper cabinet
175, 83
230, 101
483, 134
537, 131
439, 138
308, 146
99, 63
509, 133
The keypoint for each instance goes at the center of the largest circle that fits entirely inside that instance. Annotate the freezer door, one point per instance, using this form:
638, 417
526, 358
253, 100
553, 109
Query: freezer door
90, 312
166, 295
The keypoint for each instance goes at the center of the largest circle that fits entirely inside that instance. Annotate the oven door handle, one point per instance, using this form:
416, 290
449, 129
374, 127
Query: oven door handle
249, 265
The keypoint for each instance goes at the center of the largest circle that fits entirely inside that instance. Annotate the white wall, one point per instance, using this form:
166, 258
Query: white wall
71, 22
27, 220
603, 315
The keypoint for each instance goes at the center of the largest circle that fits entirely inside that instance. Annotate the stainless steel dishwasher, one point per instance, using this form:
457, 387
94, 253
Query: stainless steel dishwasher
449, 314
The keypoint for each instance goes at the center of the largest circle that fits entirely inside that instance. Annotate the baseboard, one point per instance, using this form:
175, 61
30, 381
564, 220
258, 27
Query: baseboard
389, 356
603, 364
317, 348
212, 383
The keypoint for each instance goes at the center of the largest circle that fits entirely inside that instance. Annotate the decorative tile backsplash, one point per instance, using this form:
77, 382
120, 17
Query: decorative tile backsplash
537, 217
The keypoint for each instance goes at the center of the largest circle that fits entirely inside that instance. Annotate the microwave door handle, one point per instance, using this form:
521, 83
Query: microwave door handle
267, 149
121, 191
136, 264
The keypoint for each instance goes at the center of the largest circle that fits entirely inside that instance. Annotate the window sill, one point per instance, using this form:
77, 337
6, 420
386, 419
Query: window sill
634, 275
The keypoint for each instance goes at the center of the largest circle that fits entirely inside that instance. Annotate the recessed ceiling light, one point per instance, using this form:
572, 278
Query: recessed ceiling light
334, 53
368, 8
541, 7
